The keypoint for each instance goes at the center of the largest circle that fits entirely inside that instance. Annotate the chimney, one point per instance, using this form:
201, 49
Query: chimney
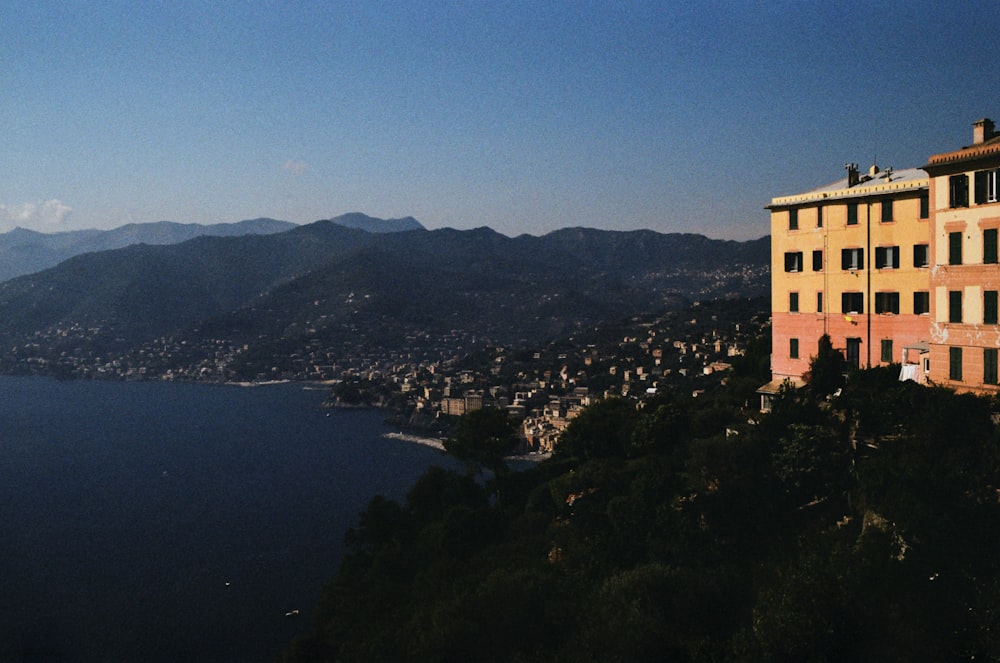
982, 130
852, 174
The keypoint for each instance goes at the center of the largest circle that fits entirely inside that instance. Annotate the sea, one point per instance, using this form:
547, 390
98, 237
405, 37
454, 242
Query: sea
144, 521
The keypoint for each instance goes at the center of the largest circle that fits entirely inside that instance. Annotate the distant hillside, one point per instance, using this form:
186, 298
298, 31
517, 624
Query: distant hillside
336, 291
370, 224
26, 251
147, 290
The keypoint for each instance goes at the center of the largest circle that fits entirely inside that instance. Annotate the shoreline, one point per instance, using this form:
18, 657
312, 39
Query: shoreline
416, 439
438, 443
250, 384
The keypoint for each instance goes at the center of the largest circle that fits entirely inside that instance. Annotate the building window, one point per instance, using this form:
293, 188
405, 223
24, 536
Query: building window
852, 259
793, 348
955, 248
887, 302
954, 306
954, 363
990, 365
793, 219
793, 261
887, 257
958, 191
886, 210
819, 216
989, 307
818, 260
925, 205
887, 350
852, 214
819, 302
852, 302
921, 302
921, 255
990, 246
793, 302
854, 352
987, 186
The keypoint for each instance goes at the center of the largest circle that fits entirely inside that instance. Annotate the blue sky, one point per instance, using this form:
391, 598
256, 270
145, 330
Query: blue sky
522, 116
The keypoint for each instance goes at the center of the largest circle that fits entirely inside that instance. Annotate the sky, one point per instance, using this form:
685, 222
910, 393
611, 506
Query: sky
522, 116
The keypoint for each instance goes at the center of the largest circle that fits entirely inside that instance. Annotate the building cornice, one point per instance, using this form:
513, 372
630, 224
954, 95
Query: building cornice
857, 191
966, 154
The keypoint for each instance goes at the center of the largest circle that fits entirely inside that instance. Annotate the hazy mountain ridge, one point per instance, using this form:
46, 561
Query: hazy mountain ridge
330, 286
371, 224
144, 290
25, 251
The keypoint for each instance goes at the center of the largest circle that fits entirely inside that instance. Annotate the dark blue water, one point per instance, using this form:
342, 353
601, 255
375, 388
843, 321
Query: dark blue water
174, 522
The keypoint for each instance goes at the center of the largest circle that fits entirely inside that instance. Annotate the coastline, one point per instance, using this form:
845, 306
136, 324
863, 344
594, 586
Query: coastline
438, 443
416, 439
261, 383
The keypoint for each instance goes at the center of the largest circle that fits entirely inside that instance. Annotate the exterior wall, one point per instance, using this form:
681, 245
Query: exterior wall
972, 277
868, 329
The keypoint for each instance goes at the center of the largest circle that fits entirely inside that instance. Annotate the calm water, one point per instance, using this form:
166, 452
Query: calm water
174, 522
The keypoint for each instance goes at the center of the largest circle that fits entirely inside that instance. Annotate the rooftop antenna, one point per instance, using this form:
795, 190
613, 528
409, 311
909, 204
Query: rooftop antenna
875, 146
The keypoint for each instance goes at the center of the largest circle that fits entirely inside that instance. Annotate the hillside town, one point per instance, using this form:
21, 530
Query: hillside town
427, 383
689, 351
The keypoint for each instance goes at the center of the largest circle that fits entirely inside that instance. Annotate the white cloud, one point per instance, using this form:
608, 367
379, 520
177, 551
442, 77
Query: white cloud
295, 167
46, 216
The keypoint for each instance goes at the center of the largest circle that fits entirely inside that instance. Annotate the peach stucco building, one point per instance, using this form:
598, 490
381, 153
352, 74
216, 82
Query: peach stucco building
897, 267
965, 276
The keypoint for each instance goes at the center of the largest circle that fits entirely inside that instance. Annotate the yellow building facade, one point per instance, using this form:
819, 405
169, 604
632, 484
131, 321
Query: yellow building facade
896, 267
852, 260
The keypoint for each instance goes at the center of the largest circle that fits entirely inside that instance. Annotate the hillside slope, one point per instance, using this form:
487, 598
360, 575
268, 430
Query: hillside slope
325, 285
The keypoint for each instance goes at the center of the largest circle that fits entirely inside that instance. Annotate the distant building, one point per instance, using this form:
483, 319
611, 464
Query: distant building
454, 407
473, 400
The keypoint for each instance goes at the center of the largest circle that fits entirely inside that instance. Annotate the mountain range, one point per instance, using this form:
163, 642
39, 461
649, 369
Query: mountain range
327, 285
25, 251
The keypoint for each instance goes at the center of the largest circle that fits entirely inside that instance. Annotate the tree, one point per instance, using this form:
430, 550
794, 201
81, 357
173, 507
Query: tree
603, 430
438, 490
484, 437
826, 369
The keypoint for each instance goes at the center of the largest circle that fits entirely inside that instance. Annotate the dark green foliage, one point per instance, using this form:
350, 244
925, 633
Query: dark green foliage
484, 437
664, 423
857, 529
755, 362
826, 369
439, 490
603, 430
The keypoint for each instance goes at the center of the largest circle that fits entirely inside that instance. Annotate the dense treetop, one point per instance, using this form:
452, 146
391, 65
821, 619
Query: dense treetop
853, 527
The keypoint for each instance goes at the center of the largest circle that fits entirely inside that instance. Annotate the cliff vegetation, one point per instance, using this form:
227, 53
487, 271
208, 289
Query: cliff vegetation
859, 527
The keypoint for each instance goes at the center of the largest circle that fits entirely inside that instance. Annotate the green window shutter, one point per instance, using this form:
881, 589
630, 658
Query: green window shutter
886, 210
955, 248
990, 307
990, 365
990, 246
955, 306
887, 350
955, 363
